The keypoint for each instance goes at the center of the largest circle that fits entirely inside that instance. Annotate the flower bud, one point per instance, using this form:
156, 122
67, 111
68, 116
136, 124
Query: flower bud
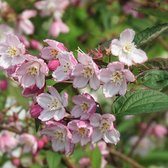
41, 144
16, 162
3, 85
35, 110
35, 44
159, 131
53, 65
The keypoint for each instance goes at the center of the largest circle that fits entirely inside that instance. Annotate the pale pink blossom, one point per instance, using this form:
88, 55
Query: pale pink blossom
159, 131
86, 71
52, 7
8, 141
58, 27
53, 64
60, 137
126, 50
81, 131
24, 23
104, 128
115, 79
53, 105
4, 29
29, 143
53, 51
32, 72
67, 64
84, 107
103, 148
12, 51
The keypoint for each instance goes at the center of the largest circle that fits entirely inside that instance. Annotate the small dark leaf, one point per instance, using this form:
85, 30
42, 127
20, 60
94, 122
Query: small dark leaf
37, 124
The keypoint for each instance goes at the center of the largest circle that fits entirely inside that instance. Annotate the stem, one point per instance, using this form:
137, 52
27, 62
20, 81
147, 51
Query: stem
68, 163
127, 159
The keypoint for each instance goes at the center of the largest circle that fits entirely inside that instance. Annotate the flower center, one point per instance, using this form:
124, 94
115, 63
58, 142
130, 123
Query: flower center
59, 136
128, 48
33, 71
66, 67
54, 105
84, 107
87, 72
117, 77
54, 53
82, 131
12, 51
104, 126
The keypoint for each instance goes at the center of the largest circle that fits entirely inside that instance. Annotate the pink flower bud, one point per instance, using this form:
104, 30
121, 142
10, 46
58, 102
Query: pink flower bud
16, 162
41, 144
84, 161
3, 85
53, 65
35, 110
35, 44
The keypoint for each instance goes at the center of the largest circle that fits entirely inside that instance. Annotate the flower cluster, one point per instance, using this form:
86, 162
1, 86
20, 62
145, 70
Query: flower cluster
82, 124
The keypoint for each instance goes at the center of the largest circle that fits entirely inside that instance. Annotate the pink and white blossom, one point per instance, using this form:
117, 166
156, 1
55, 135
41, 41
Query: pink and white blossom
86, 71
67, 64
126, 50
29, 143
81, 131
58, 27
84, 107
103, 128
53, 51
115, 79
60, 137
8, 141
53, 105
12, 51
24, 23
32, 72
4, 30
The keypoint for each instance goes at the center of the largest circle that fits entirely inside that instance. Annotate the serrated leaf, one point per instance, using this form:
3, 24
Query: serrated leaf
156, 79
149, 34
96, 158
141, 101
53, 159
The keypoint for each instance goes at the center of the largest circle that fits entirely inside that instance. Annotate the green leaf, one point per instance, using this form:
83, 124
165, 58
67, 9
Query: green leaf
156, 79
96, 158
141, 101
161, 15
149, 34
53, 159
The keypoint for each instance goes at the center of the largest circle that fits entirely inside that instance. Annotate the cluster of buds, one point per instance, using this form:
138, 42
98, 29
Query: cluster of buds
82, 124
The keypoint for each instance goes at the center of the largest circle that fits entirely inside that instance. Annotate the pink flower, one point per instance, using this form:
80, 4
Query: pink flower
85, 72
60, 137
58, 27
84, 107
32, 72
29, 143
32, 91
4, 30
25, 24
159, 131
53, 105
67, 64
12, 51
104, 128
53, 51
8, 141
81, 131
35, 110
53, 64
84, 162
126, 50
3, 85
103, 148
115, 79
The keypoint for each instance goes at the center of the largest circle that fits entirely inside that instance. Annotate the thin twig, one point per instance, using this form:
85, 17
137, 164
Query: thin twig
127, 159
